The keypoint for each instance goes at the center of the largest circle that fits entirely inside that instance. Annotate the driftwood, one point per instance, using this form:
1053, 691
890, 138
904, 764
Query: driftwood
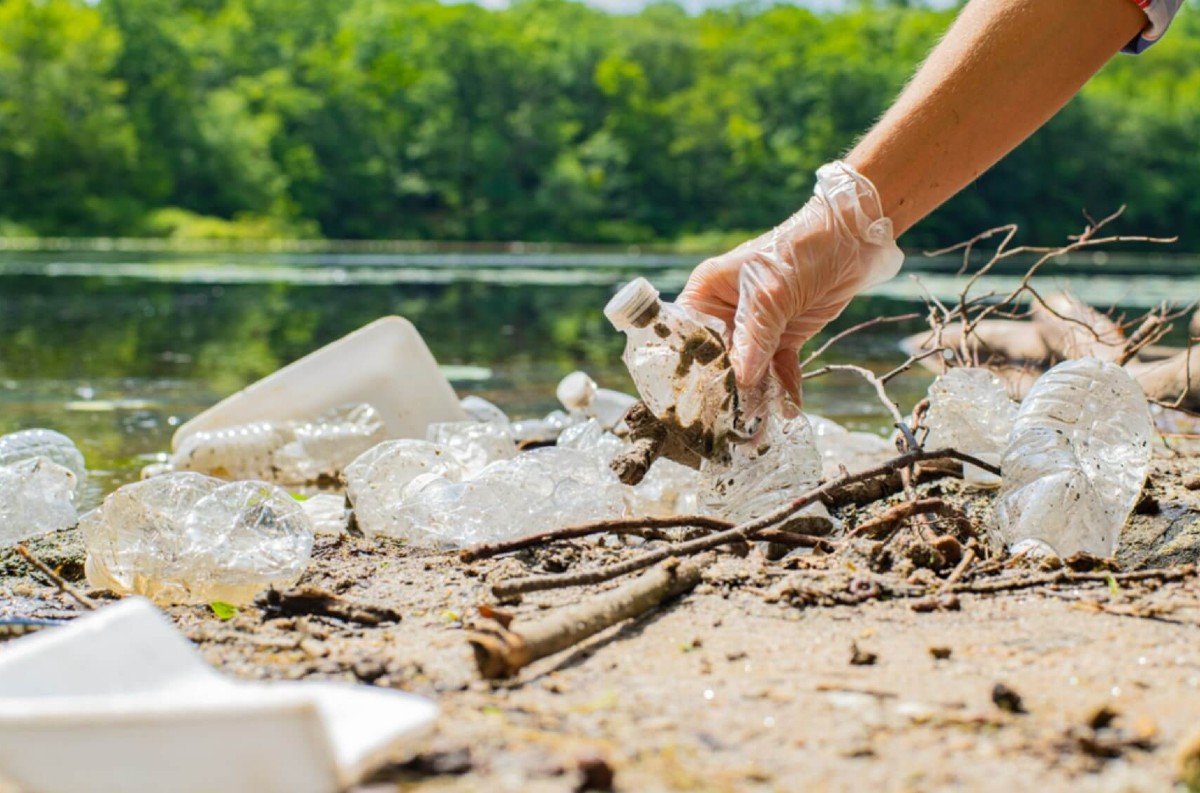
1073, 329
994, 340
501, 652
1173, 381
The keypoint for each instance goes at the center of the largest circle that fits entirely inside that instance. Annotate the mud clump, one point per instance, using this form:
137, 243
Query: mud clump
702, 347
653, 437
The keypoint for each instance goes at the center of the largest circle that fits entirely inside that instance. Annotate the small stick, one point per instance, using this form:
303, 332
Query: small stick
870, 323
886, 522
739, 533
501, 652
626, 526
960, 569
60, 582
1070, 577
796, 539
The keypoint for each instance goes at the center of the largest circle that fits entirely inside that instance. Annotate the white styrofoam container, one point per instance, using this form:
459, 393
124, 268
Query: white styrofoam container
120, 702
385, 363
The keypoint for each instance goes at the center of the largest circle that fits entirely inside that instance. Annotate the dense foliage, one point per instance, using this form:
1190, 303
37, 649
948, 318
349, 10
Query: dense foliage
545, 121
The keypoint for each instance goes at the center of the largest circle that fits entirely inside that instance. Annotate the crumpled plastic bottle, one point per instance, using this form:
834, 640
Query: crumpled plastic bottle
420, 492
1078, 459
969, 410
53, 446
839, 447
36, 497
668, 487
755, 478
286, 452
184, 537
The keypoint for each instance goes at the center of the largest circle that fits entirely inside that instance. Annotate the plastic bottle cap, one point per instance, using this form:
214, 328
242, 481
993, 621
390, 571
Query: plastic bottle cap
576, 391
629, 305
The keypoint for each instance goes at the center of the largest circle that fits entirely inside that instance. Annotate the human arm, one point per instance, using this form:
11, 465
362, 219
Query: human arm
1001, 71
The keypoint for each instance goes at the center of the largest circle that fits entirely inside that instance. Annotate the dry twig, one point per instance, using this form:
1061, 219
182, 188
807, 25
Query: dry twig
501, 651
740, 533
63, 584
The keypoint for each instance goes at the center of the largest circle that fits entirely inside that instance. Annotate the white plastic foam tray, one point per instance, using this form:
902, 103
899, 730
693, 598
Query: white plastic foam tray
385, 363
119, 701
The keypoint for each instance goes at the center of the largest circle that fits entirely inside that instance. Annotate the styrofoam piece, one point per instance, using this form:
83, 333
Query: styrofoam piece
127, 700
384, 364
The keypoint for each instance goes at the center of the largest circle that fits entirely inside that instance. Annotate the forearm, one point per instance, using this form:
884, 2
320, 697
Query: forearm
1003, 69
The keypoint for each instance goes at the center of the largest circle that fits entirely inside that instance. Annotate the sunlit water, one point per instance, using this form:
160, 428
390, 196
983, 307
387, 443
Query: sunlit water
117, 349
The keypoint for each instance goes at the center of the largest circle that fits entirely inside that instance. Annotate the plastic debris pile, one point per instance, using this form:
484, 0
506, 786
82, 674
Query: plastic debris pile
1074, 454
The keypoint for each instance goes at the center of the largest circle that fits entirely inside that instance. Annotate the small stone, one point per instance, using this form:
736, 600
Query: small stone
596, 774
860, 657
1101, 718
940, 653
1006, 699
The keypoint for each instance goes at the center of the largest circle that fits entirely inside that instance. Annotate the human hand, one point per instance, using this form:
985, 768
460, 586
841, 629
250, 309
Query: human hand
778, 290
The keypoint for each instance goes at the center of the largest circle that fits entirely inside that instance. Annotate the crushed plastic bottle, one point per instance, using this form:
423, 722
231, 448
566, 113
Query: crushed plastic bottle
678, 362
580, 395
474, 444
969, 410
185, 537
479, 409
288, 452
36, 497
419, 492
838, 447
327, 512
23, 445
761, 475
1078, 459
543, 430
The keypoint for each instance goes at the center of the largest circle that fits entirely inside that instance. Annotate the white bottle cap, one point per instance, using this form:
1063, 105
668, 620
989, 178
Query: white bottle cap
576, 391
631, 303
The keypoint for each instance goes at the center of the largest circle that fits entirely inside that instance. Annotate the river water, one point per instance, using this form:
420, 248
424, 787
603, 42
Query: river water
116, 348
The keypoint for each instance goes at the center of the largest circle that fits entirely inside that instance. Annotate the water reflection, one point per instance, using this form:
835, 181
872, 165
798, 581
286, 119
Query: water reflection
116, 352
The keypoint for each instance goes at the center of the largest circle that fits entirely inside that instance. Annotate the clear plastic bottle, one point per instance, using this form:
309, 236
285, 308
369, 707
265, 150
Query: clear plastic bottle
580, 395
679, 364
1078, 459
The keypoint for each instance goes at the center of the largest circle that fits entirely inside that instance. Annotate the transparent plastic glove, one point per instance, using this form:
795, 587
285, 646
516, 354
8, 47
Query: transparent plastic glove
778, 290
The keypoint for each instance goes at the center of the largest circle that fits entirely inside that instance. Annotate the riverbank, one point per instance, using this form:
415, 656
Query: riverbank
836, 672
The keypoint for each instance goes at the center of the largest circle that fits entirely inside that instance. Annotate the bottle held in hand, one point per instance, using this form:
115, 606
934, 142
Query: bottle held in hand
680, 365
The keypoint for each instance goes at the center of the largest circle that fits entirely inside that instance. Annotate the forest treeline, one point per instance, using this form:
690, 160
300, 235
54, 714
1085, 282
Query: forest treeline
548, 120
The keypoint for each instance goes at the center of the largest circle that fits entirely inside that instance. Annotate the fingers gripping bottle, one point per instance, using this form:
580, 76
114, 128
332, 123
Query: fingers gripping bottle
679, 363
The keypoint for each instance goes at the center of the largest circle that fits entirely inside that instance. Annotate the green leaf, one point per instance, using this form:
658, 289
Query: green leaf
1112, 584
223, 610
300, 496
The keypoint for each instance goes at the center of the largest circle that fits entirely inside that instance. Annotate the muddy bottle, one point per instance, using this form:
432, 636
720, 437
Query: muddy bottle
679, 364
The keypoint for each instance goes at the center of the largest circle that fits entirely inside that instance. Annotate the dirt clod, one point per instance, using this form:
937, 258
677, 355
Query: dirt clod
596, 774
861, 657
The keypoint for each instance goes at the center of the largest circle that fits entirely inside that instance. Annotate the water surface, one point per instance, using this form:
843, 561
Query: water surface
117, 349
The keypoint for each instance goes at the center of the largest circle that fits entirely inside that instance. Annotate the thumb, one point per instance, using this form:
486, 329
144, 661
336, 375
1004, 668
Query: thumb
761, 317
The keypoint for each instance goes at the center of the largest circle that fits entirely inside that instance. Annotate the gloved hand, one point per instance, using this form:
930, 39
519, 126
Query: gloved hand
778, 290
